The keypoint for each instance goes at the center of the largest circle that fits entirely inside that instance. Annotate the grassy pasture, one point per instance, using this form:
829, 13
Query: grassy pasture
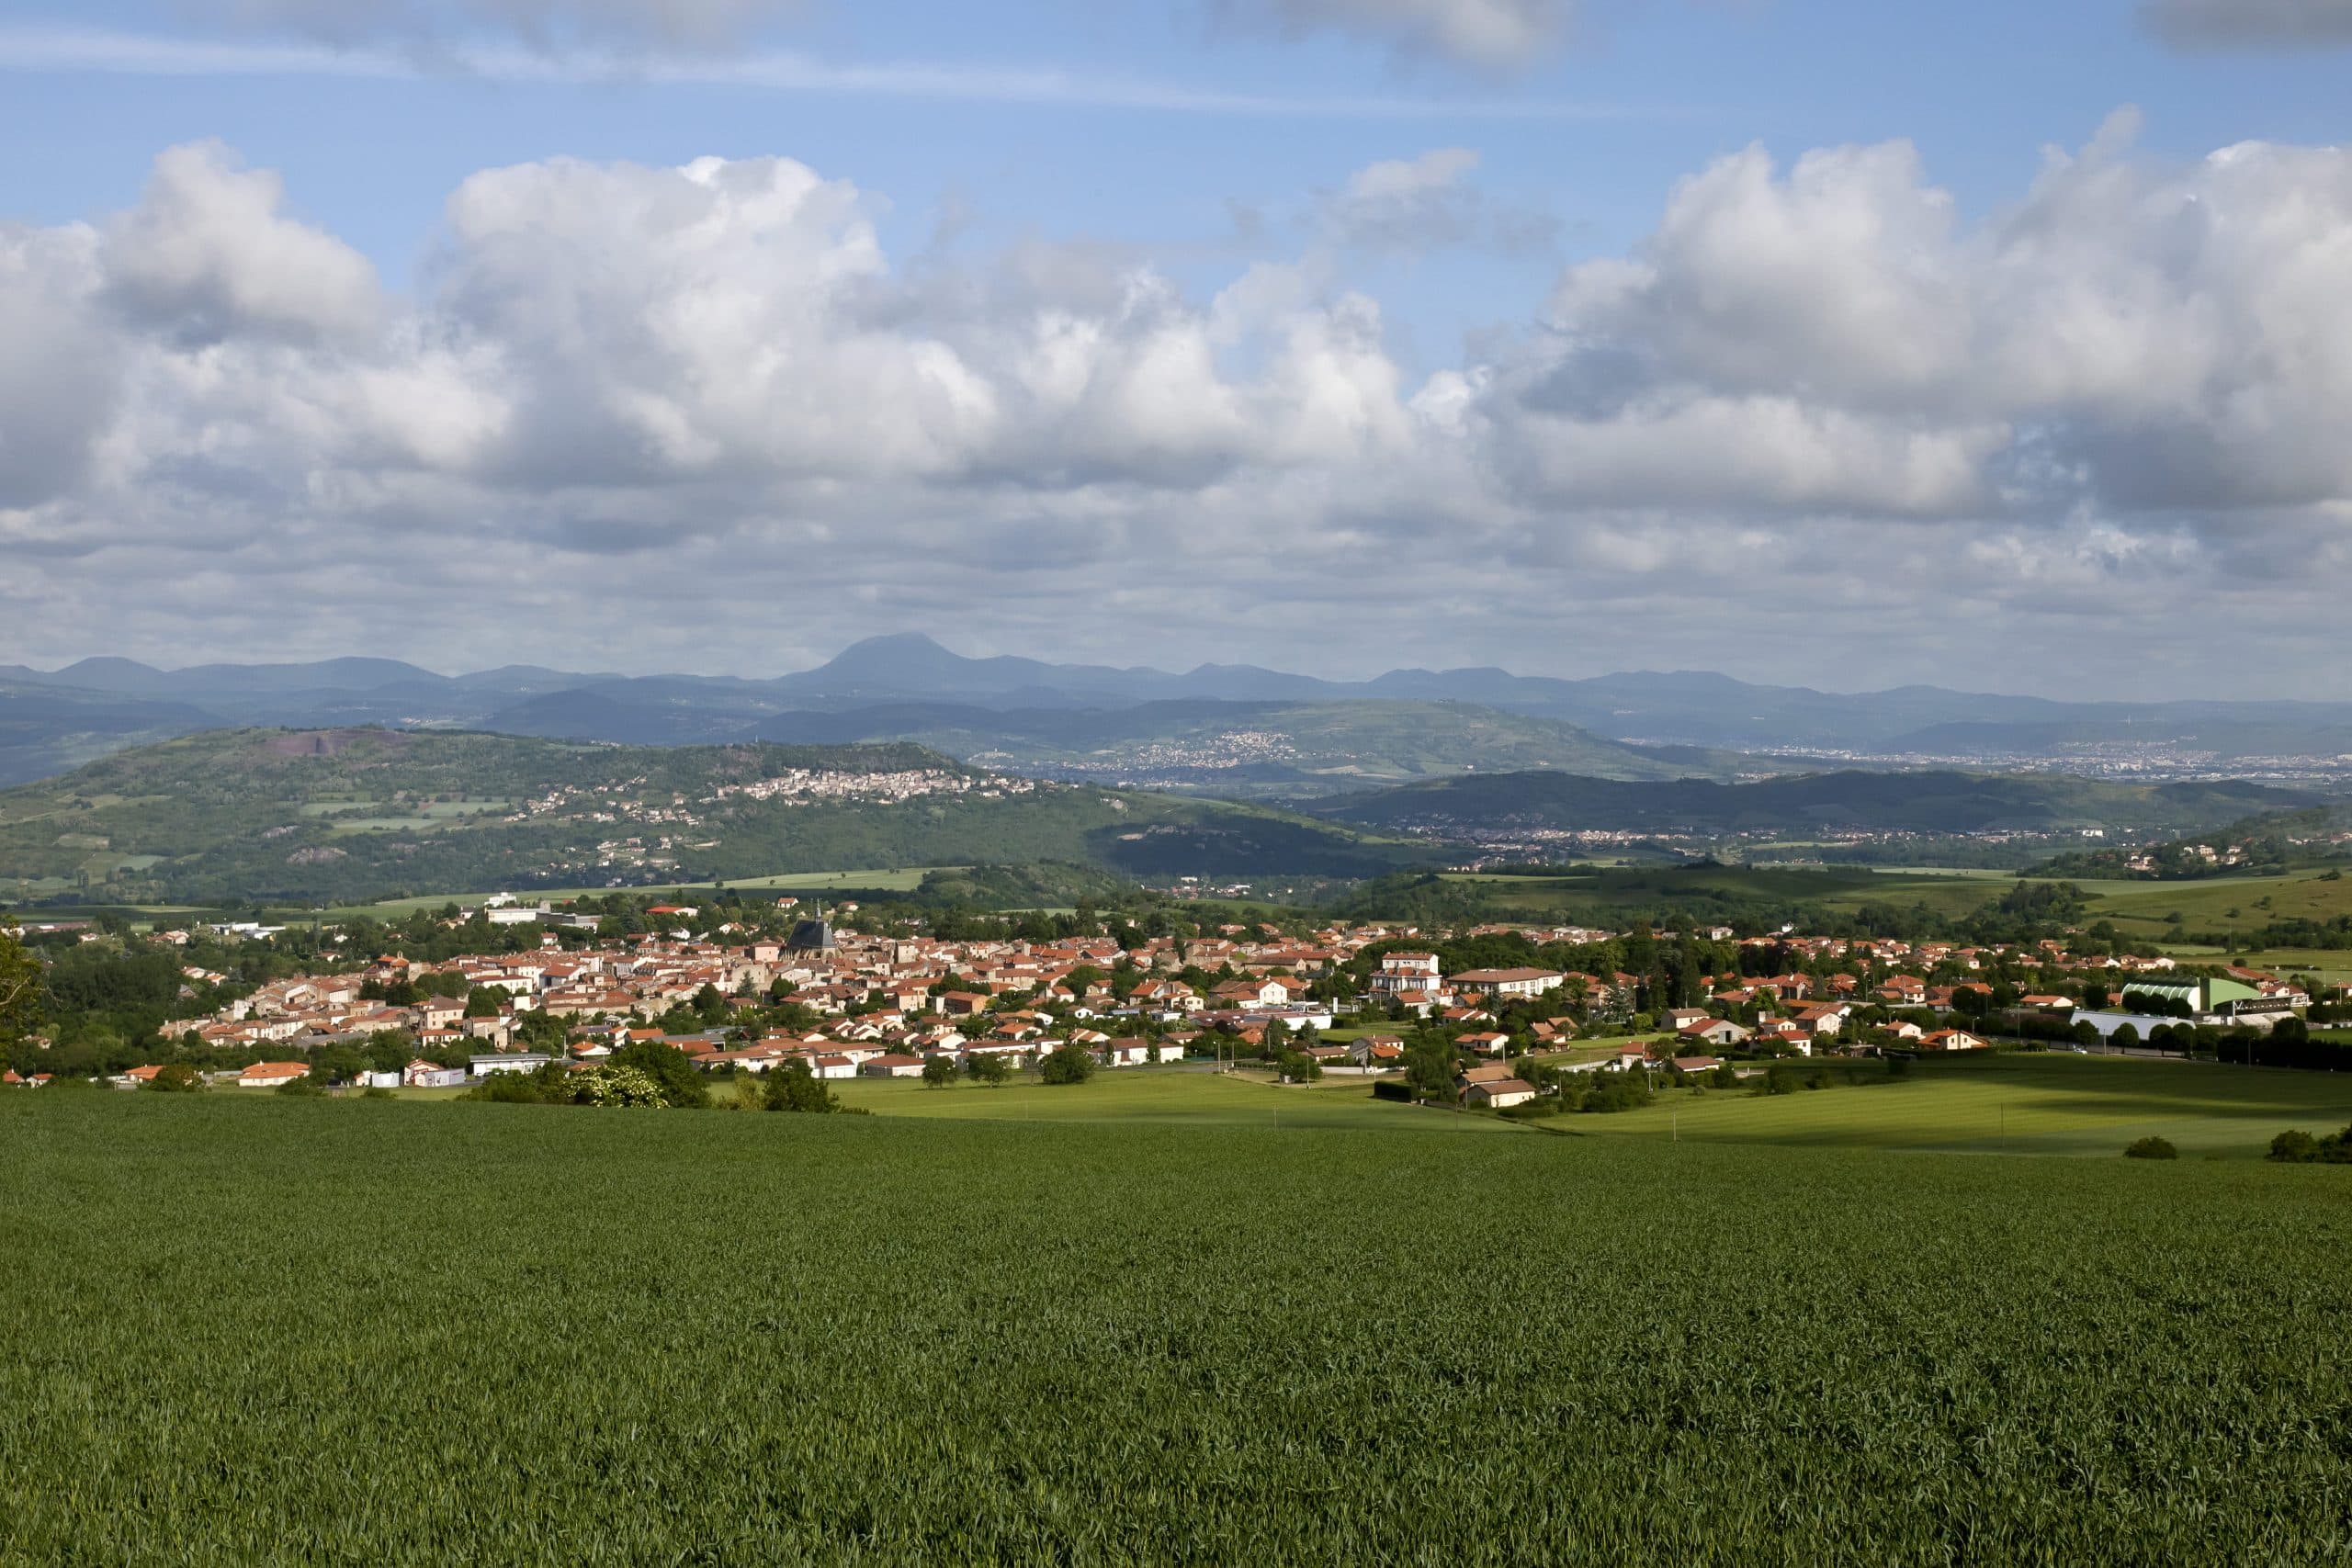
1166, 1096
2221, 903
262, 1329
2032, 1102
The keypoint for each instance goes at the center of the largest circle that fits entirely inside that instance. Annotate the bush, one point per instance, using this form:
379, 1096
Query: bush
2151, 1148
2294, 1147
178, 1077
792, 1086
1067, 1063
673, 1071
1391, 1088
304, 1088
617, 1087
376, 1092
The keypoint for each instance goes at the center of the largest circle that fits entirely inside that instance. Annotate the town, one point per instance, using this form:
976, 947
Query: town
748, 985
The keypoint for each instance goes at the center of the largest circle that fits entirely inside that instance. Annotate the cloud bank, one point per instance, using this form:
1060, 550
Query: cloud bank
2250, 24
696, 416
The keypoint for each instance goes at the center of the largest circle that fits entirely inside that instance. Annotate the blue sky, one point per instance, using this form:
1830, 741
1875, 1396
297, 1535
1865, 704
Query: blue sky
1193, 140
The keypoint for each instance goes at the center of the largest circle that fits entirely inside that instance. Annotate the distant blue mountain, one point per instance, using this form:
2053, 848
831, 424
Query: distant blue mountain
883, 677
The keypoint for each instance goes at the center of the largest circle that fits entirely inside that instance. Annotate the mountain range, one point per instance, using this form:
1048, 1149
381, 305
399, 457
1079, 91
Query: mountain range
1096, 720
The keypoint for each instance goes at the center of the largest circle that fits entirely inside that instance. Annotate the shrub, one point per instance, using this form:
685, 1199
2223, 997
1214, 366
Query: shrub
680, 1082
376, 1092
2294, 1147
618, 1088
1067, 1063
792, 1086
2151, 1148
177, 1077
304, 1088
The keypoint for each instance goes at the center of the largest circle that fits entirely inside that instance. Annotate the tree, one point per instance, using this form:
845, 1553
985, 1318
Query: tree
939, 1071
540, 1030
20, 988
482, 1001
336, 1064
991, 1068
389, 1050
1067, 1063
1428, 1068
176, 1077
2125, 1035
2151, 1148
617, 1087
681, 1081
792, 1086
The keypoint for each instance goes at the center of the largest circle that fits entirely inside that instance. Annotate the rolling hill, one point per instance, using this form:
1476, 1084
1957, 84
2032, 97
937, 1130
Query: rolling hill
1916, 802
338, 815
1268, 750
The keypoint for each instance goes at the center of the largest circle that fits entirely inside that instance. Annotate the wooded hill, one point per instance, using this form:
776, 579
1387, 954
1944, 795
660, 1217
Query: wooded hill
337, 816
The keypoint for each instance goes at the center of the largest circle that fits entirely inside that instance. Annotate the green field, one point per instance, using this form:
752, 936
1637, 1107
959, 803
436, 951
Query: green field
2030, 1103
1165, 1096
2006, 1102
2140, 910
270, 1329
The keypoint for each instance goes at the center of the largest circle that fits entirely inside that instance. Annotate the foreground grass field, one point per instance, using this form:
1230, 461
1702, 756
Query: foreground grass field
269, 1329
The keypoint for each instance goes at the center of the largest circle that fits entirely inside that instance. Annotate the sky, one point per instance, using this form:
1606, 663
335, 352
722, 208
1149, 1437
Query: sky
2001, 345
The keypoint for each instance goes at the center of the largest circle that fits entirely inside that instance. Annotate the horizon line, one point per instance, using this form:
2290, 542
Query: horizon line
23, 663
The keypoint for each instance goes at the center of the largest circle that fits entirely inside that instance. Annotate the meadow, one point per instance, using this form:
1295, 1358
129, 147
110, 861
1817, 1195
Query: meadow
2007, 1102
264, 1329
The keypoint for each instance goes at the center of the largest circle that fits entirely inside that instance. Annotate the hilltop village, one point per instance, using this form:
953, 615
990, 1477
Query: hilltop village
1496, 1015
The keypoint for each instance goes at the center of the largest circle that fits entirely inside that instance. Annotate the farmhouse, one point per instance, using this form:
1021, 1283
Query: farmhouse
272, 1075
1503, 1093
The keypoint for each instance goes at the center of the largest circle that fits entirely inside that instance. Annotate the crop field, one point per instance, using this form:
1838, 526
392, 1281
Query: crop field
1176, 1096
2046, 1103
268, 1330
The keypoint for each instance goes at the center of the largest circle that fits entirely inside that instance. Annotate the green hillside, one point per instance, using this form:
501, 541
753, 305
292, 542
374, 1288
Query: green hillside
338, 815
1291, 749
1916, 802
